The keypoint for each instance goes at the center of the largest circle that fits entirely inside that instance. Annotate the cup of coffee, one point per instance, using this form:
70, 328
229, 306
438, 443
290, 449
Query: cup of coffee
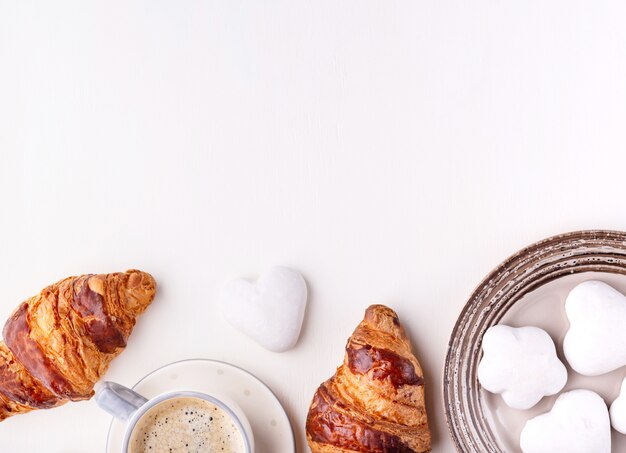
176, 421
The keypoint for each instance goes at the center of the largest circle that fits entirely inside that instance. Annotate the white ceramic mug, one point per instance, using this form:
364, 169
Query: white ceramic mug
129, 406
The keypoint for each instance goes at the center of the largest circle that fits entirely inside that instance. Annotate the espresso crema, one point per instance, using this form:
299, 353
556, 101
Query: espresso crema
186, 424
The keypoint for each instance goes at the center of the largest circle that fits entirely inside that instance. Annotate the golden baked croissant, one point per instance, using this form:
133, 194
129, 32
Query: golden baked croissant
58, 343
375, 401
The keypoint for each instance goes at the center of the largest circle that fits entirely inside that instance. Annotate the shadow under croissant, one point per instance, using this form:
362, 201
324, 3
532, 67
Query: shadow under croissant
432, 388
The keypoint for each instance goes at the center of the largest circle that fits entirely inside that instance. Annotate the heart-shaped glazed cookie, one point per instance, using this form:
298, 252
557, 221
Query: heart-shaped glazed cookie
578, 423
594, 343
270, 310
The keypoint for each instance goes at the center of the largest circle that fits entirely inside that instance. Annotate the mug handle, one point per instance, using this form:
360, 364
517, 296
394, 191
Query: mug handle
119, 401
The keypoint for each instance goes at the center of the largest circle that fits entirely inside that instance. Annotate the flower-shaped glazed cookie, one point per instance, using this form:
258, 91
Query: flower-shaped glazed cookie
520, 364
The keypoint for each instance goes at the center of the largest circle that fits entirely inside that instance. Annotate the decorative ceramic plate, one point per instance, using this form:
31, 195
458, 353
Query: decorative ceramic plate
270, 424
529, 288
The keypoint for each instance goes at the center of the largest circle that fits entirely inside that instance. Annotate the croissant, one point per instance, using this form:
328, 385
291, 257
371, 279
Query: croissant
58, 343
375, 401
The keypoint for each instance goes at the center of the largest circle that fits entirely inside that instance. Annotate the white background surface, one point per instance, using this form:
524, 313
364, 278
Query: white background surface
394, 152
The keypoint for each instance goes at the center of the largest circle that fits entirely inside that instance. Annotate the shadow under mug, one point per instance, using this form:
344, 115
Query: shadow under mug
129, 406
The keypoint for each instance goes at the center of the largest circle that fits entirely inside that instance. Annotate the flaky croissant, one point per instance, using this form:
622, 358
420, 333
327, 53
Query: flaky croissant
375, 401
58, 343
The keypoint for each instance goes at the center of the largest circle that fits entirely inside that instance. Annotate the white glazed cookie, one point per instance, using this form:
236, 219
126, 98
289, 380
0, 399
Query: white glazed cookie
270, 310
594, 342
618, 410
578, 423
520, 364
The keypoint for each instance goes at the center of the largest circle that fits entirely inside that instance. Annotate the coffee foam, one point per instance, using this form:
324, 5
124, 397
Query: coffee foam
186, 424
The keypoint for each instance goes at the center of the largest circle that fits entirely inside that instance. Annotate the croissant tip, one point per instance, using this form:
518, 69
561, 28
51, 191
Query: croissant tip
137, 278
380, 308
379, 313
142, 288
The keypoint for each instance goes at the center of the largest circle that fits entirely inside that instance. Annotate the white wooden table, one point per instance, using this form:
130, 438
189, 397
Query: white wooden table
394, 152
